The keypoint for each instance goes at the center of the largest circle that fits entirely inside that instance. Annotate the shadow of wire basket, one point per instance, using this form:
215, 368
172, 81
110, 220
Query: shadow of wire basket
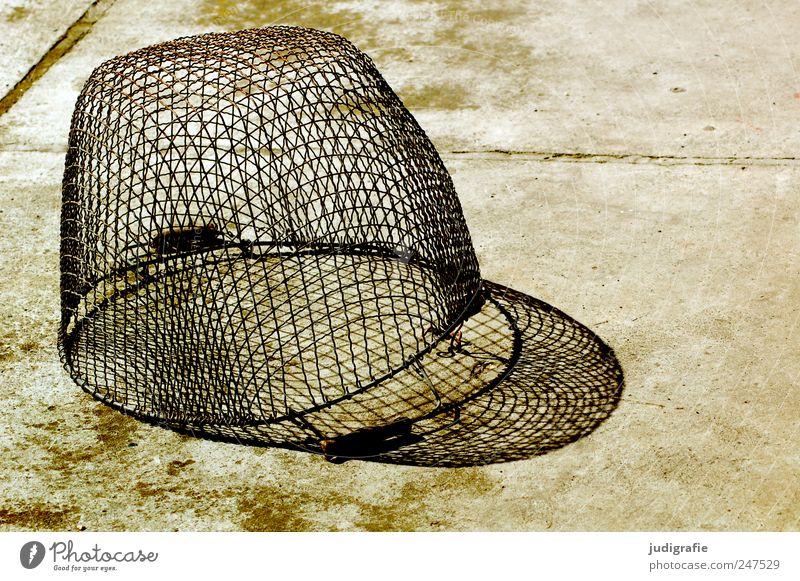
259, 243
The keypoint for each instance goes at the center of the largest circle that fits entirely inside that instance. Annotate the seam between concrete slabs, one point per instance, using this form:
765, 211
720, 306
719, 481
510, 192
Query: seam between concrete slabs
60, 47
558, 157
626, 158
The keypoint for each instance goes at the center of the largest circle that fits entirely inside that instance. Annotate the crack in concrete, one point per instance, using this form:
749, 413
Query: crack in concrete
16, 148
629, 158
60, 47
545, 156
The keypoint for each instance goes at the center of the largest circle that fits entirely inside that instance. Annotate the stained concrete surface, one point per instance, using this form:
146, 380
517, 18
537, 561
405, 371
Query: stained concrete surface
630, 163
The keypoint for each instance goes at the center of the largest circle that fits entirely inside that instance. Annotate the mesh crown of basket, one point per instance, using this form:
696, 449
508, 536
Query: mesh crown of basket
260, 243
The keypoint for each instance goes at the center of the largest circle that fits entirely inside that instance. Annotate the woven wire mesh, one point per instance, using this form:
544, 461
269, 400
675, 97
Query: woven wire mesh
254, 228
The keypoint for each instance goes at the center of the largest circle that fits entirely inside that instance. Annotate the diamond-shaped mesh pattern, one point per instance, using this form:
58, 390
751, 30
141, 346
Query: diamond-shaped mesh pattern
253, 228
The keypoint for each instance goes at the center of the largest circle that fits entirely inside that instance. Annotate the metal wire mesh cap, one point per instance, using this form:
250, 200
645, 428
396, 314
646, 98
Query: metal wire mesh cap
260, 242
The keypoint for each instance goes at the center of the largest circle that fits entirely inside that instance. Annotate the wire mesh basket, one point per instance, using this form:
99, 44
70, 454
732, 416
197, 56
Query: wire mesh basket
253, 227
259, 243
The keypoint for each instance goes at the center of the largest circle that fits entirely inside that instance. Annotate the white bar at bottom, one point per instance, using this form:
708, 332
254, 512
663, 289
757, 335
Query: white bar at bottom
375, 556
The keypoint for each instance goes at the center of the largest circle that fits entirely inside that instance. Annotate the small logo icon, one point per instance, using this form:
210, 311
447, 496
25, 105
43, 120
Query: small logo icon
31, 554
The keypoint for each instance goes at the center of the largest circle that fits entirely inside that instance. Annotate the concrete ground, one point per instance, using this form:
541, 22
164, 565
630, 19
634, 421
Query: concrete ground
631, 163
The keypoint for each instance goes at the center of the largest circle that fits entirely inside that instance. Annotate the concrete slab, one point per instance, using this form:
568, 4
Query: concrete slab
681, 258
